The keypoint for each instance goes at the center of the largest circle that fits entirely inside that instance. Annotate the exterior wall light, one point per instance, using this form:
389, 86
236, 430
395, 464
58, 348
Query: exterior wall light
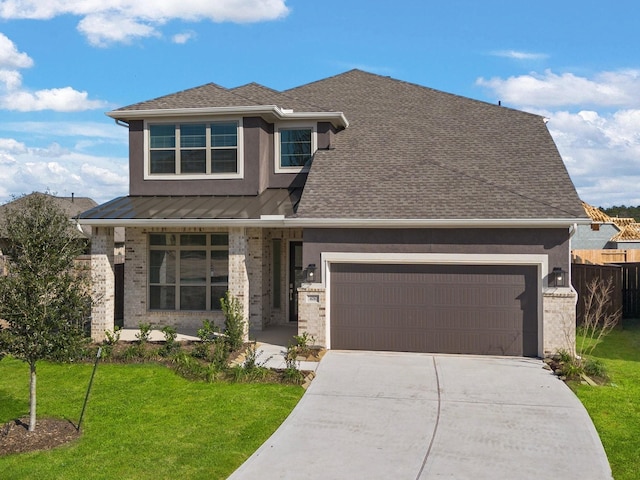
558, 278
311, 273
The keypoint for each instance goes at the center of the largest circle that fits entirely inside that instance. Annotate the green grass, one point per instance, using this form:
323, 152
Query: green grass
615, 409
142, 421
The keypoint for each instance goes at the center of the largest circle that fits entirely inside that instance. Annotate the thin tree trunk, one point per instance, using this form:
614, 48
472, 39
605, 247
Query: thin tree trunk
32, 397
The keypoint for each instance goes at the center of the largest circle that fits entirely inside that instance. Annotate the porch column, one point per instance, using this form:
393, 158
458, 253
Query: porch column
238, 274
254, 264
103, 282
559, 320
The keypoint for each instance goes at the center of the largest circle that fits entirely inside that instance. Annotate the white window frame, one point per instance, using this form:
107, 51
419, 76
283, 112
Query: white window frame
294, 126
195, 176
177, 284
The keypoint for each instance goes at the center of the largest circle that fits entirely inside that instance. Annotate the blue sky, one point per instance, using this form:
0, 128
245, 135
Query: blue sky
64, 63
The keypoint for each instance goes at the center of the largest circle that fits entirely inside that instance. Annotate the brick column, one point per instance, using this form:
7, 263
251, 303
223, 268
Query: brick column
103, 282
254, 261
312, 317
559, 320
238, 274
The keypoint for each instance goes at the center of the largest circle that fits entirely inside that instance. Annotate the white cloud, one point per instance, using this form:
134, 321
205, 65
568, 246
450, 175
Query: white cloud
60, 170
14, 97
10, 79
611, 89
601, 152
182, 38
517, 55
103, 29
59, 99
111, 21
94, 130
10, 57
599, 138
10, 146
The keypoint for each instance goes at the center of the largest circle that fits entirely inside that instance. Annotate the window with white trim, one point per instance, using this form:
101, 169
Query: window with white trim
295, 147
188, 271
194, 149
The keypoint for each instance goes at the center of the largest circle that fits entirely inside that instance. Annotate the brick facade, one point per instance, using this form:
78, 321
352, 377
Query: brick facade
312, 312
103, 282
250, 279
559, 320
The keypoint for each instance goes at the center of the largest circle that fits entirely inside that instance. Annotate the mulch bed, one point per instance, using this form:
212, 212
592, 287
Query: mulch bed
49, 433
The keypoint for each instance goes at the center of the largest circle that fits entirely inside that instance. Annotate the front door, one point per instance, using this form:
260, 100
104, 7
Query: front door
295, 278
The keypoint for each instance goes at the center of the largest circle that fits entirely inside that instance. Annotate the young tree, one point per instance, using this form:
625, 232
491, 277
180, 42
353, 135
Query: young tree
44, 300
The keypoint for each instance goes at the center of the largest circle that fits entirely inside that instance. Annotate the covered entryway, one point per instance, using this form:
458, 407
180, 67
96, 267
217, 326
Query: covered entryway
470, 309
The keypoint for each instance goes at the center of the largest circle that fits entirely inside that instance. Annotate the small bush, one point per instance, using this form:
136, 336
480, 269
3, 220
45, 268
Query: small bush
110, 341
292, 373
111, 338
220, 353
145, 333
595, 368
303, 343
234, 323
170, 346
252, 355
207, 334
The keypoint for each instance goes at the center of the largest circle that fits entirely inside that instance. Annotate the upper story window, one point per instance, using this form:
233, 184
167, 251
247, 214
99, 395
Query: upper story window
194, 150
295, 146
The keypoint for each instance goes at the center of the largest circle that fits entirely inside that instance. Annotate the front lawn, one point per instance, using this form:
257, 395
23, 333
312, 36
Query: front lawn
615, 409
142, 422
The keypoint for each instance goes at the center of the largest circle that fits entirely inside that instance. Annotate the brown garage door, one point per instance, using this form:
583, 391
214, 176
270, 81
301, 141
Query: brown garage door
473, 309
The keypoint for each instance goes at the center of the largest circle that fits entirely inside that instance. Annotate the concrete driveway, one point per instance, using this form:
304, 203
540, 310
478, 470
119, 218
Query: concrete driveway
370, 415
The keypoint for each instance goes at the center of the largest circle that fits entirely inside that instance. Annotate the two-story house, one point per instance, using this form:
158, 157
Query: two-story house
374, 213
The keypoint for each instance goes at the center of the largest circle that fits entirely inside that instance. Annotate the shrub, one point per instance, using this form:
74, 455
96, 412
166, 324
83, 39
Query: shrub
110, 341
207, 334
170, 345
598, 319
234, 323
292, 373
145, 333
595, 368
303, 343
220, 353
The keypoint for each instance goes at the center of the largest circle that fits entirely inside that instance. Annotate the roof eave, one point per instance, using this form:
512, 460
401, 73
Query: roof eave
277, 221
274, 112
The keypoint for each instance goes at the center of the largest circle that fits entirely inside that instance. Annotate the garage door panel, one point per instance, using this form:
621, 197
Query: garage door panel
435, 308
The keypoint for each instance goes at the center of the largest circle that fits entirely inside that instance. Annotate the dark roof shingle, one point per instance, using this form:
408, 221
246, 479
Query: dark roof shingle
414, 152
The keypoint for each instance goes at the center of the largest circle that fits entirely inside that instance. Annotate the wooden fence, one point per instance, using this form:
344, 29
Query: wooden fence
631, 290
600, 257
582, 275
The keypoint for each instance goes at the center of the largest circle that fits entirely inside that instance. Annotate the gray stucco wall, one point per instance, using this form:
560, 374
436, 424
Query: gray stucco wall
628, 245
586, 238
551, 242
258, 165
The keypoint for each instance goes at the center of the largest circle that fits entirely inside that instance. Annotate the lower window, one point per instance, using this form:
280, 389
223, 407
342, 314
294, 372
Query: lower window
188, 271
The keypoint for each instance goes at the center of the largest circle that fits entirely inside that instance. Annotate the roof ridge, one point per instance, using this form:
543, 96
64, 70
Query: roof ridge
354, 71
179, 94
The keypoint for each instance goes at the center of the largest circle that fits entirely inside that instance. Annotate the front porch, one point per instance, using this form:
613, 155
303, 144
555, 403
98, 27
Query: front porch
262, 267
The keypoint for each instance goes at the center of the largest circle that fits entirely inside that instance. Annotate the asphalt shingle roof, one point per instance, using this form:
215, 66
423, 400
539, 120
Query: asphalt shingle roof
72, 206
413, 152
